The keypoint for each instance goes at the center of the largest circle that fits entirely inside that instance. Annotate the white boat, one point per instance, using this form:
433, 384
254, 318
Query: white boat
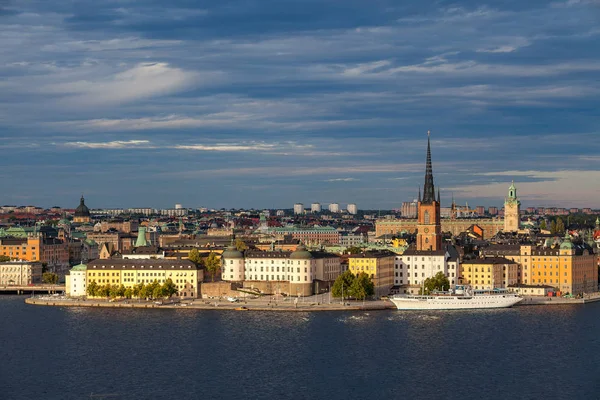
459, 299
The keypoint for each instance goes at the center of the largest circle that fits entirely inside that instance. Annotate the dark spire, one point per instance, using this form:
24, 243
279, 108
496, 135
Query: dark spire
428, 188
439, 197
419, 194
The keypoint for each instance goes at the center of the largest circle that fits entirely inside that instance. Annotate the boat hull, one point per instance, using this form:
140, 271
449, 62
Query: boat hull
454, 302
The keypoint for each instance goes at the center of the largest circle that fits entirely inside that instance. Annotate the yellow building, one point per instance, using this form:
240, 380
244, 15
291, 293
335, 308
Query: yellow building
489, 273
127, 272
570, 268
379, 265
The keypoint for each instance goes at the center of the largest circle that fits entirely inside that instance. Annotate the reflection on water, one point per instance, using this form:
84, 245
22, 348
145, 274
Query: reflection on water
68, 353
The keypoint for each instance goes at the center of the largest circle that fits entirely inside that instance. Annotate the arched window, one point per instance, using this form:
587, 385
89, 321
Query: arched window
426, 217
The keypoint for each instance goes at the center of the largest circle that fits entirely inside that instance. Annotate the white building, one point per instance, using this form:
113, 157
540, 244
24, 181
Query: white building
76, 281
334, 208
413, 266
178, 206
300, 266
352, 209
298, 208
20, 273
351, 239
315, 207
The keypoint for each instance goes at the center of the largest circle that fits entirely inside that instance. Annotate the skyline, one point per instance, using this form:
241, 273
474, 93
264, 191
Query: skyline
264, 104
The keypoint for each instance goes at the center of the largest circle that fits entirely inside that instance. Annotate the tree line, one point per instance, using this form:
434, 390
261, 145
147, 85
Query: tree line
152, 290
348, 285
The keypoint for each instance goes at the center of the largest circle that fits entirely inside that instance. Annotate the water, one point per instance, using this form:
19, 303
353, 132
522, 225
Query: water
519, 353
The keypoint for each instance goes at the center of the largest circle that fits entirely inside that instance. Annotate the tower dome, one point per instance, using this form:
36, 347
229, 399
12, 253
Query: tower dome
82, 213
567, 244
301, 254
232, 253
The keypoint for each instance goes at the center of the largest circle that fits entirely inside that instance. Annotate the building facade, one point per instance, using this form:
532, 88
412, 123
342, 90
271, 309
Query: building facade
379, 265
76, 281
489, 273
512, 210
20, 273
184, 274
412, 267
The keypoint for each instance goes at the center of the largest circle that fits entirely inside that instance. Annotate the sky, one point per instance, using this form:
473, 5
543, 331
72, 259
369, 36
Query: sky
263, 104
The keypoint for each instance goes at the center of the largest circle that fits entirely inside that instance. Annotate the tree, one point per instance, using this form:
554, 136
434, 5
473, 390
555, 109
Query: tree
240, 245
103, 291
342, 284
50, 277
92, 288
169, 288
194, 256
137, 289
437, 282
362, 286
150, 289
4, 258
212, 265
552, 227
128, 293
158, 292
543, 225
560, 225
354, 250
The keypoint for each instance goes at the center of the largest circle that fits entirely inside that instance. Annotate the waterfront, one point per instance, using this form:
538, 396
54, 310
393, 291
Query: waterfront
523, 352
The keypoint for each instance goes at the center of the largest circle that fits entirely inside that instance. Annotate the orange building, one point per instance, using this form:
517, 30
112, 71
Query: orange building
52, 252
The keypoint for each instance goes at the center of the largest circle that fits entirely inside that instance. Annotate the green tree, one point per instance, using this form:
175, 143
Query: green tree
137, 290
92, 288
560, 225
212, 265
103, 291
128, 293
194, 256
354, 250
362, 287
4, 258
543, 225
169, 288
50, 277
158, 292
343, 283
240, 245
553, 227
150, 289
437, 282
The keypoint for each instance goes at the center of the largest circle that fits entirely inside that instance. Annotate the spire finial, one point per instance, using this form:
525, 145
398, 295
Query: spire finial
428, 188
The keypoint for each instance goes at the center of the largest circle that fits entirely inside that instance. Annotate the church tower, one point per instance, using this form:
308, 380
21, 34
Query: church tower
429, 229
512, 210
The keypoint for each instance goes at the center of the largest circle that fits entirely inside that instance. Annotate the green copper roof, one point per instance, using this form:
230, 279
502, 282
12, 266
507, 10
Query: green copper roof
301, 254
79, 267
567, 244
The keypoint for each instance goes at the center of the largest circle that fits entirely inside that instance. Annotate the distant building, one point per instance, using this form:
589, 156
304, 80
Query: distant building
300, 272
298, 208
489, 273
379, 265
315, 207
76, 281
352, 209
480, 210
82, 213
512, 210
185, 274
409, 209
334, 208
20, 273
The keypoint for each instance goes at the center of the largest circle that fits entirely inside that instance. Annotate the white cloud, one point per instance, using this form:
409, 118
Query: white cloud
341, 180
116, 144
142, 81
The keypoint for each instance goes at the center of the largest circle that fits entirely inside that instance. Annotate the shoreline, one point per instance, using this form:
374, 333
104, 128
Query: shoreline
218, 305
199, 304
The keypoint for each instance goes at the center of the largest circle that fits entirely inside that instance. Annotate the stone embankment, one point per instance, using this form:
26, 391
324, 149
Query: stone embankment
201, 304
555, 301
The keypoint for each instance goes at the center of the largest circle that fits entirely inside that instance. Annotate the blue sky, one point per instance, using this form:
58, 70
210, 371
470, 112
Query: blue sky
267, 103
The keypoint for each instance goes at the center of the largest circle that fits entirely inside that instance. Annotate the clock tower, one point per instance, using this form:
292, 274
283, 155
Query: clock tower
429, 229
512, 210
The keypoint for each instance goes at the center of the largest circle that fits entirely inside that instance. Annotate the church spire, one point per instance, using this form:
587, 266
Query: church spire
428, 188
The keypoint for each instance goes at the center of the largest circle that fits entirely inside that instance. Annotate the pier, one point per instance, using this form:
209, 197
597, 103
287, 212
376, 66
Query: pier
14, 289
